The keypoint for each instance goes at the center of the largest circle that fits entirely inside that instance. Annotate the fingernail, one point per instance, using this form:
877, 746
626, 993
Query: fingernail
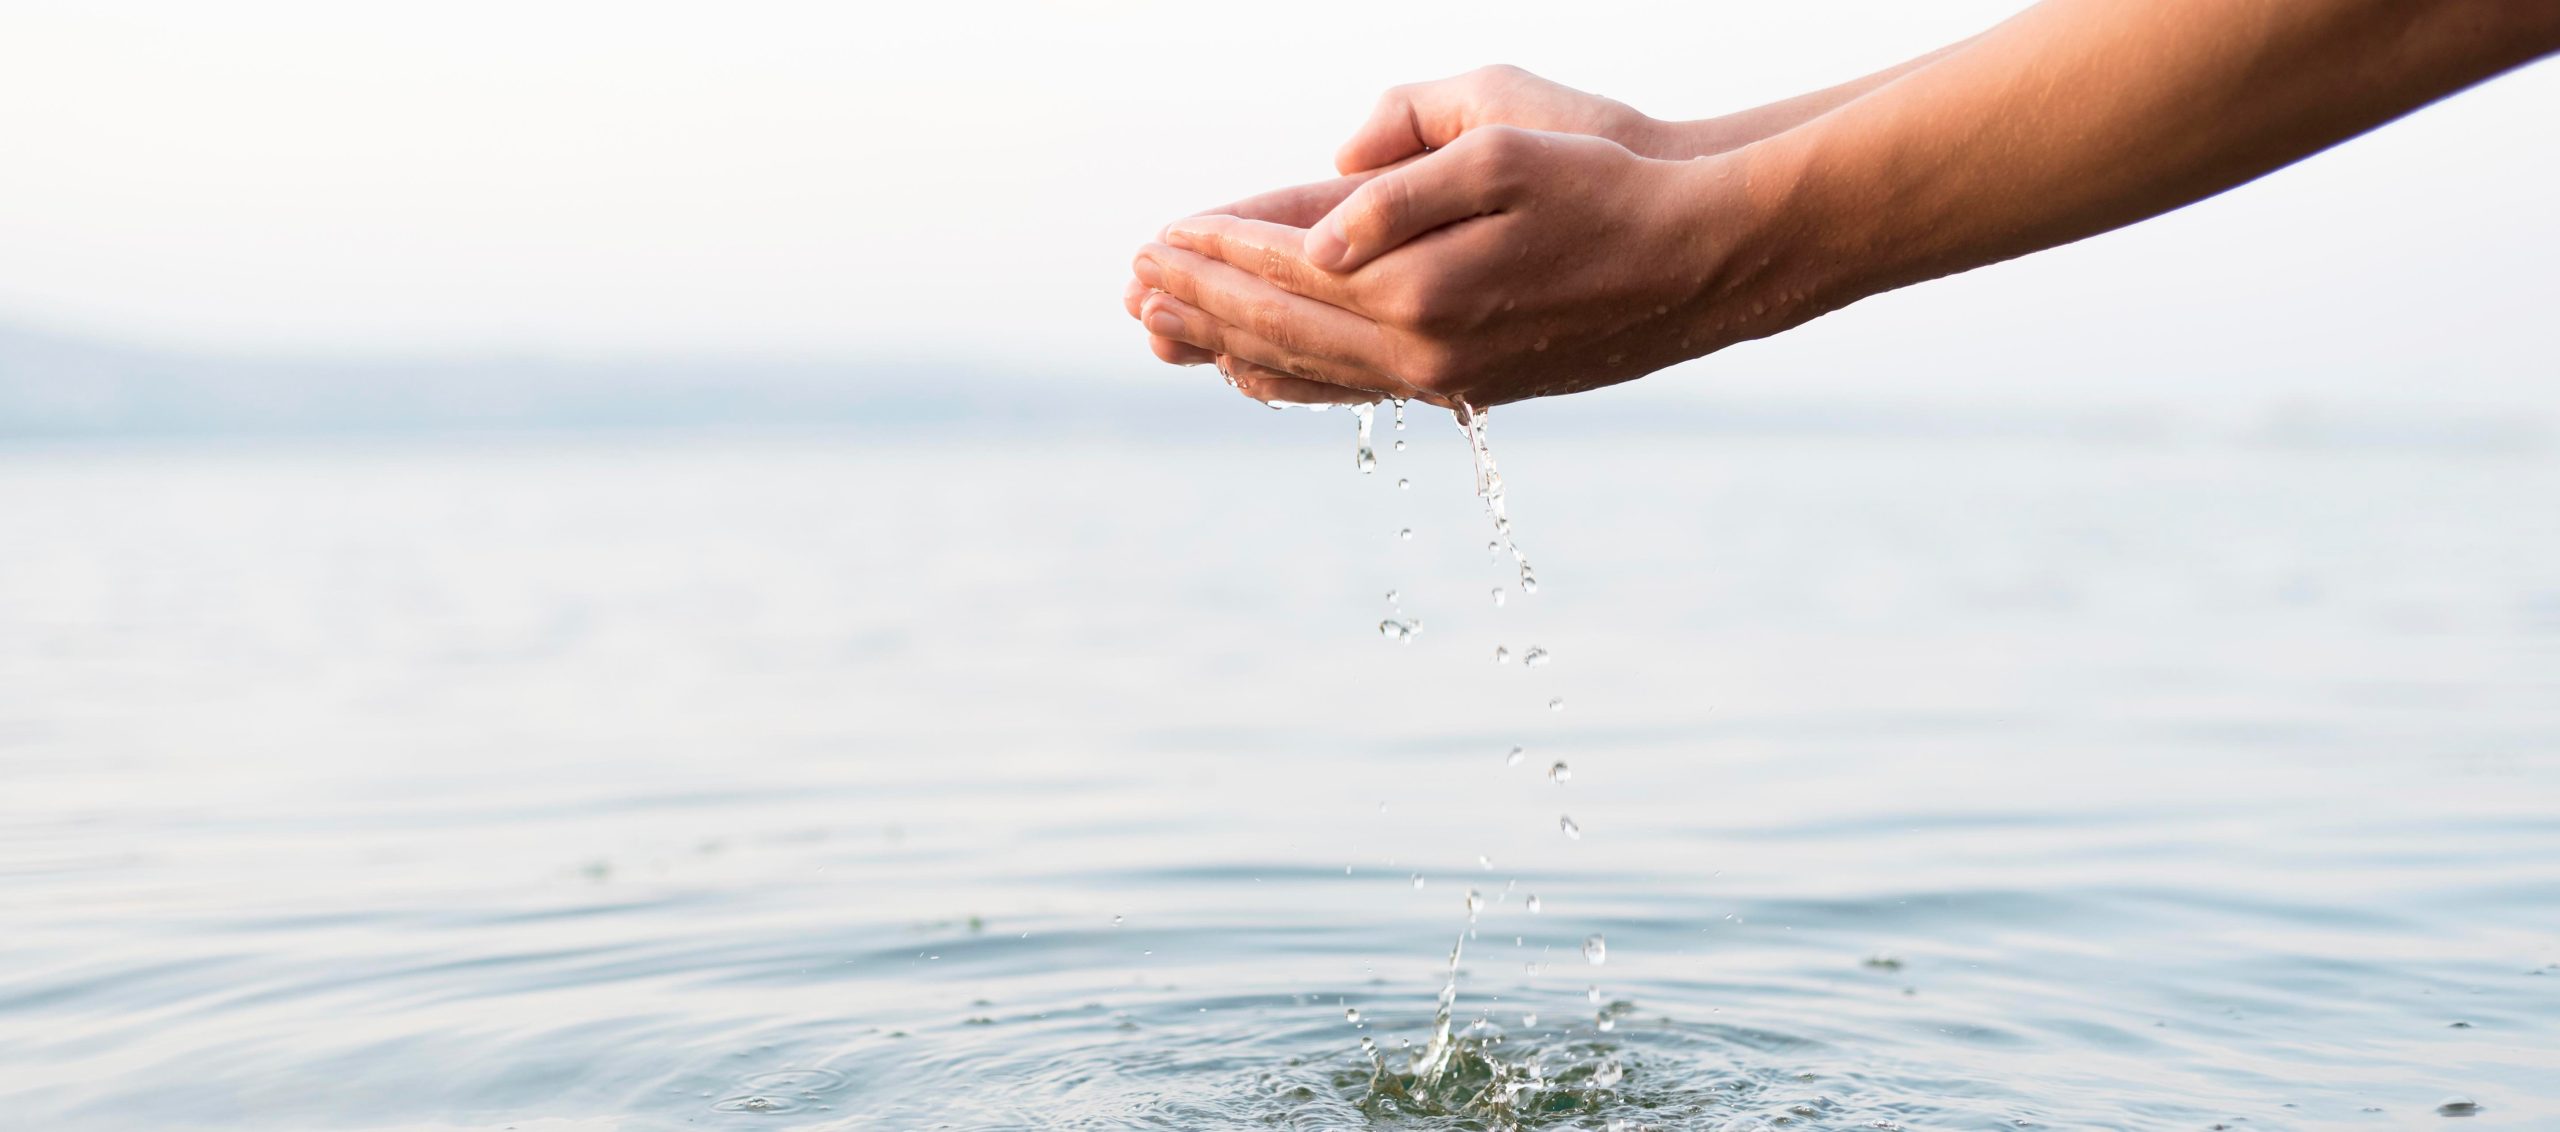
1149, 272
1326, 247
1163, 324
1181, 237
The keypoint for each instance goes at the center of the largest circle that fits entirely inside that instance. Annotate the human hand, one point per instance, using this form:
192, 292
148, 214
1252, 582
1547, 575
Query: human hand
1298, 205
1508, 264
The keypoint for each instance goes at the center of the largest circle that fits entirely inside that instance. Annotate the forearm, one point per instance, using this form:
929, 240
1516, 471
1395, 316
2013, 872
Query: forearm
1705, 136
2079, 116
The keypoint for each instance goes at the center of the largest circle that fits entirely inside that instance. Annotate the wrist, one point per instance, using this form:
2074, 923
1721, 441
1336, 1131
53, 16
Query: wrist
1682, 141
1758, 222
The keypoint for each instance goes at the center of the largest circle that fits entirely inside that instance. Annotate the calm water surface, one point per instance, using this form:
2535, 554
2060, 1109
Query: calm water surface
1931, 784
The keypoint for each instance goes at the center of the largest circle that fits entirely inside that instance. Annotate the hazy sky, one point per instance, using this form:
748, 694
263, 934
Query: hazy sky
967, 181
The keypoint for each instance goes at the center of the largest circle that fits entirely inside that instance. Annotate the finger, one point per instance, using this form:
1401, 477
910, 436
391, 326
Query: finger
1273, 388
1174, 318
1302, 332
1408, 120
1296, 206
1134, 297
1273, 251
1469, 178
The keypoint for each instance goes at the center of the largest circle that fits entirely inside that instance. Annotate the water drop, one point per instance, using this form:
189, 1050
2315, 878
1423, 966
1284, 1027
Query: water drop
1593, 994
1115, 921
1533, 904
1399, 402
1399, 444
1556, 704
1493, 549
1609, 1074
1406, 533
1351, 1014
1604, 1023
1559, 773
1528, 1019
1595, 949
1501, 654
1571, 831
1366, 457
1404, 484
1534, 657
1475, 903
1484, 862
1395, 630
2458, 1106
1499, 597
1417, 880
1528, 581
1392, 595
1517, 754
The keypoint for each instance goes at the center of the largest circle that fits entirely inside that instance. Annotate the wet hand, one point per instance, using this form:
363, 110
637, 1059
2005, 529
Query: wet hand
1296, 205
1508, 264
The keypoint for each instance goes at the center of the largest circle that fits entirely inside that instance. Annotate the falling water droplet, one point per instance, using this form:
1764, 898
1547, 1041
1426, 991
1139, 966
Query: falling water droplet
1404, 484
1406, 533
1493, 549
1115, 921
1501, 654
1533, 904
1595, 950
1399, 402
1559, 773
1475, 903
1534, 657
1399, 444
1351, 1014
1392, 595
1484, 862
1499, 597
1593, 994
1528, 582
1366, 457
1517, 754
1417, 880
1528, 1019
1571, 830
1395, 630
1556, 704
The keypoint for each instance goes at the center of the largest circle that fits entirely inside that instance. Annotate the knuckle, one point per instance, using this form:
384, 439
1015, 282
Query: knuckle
1268, 320
1432, 370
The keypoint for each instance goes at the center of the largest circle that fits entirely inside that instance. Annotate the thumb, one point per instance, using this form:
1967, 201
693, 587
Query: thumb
1406, 121
1466, 180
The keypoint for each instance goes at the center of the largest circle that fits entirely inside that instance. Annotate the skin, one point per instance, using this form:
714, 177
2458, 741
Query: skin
1410, 121
1535, 240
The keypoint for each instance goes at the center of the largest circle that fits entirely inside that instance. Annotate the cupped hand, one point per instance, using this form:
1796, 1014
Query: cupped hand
1296, 205
1508, 264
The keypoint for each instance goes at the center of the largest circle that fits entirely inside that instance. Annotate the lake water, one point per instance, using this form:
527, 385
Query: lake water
1983, 781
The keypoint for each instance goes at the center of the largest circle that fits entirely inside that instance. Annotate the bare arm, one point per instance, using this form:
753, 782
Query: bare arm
1519, 263
2079, 116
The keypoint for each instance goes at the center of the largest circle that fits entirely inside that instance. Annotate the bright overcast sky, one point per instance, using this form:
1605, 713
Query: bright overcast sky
966, 181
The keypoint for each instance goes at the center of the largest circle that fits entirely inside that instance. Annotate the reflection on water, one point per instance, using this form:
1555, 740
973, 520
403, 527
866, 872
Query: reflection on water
733, 785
